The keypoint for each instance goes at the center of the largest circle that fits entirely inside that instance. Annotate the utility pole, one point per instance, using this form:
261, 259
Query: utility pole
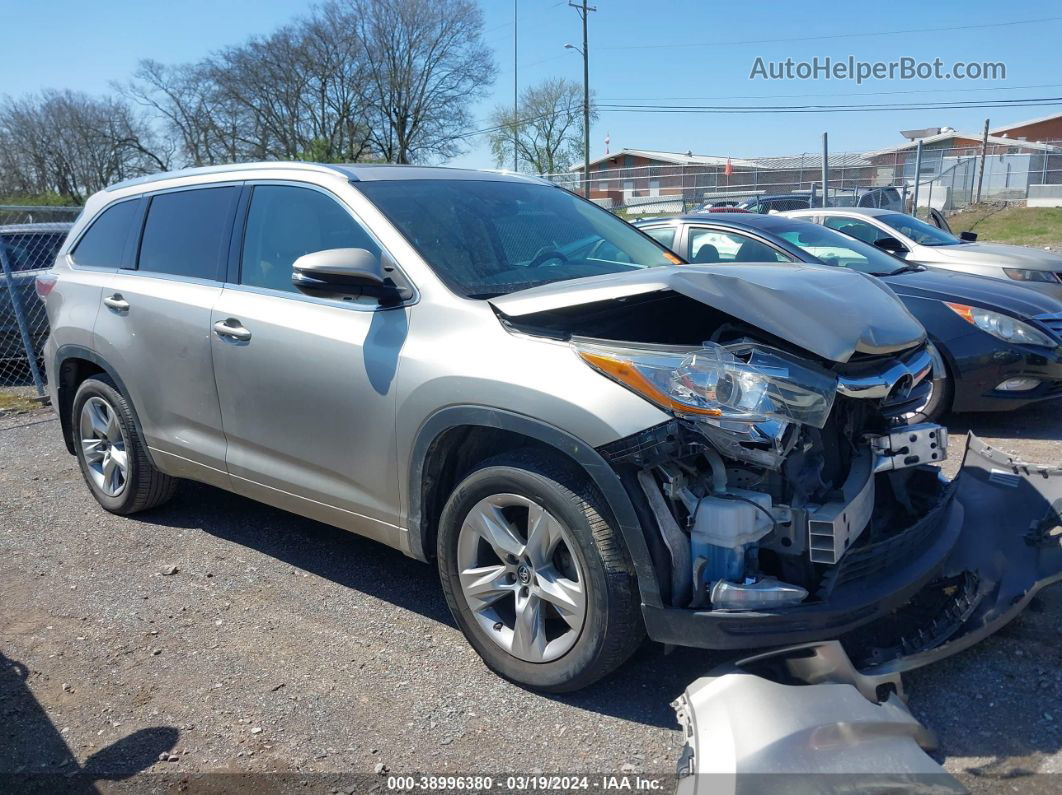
516, 124
584, 10
984, 153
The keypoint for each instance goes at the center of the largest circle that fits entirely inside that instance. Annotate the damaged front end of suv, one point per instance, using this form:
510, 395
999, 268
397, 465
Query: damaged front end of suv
786, 500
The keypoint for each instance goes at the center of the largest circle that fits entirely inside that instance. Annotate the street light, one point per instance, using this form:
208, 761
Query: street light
584, 10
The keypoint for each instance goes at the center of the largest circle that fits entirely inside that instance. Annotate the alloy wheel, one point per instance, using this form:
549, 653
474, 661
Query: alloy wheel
104, 446
520, 577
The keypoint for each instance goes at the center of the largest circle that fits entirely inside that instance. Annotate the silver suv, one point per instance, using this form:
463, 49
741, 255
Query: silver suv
590, 438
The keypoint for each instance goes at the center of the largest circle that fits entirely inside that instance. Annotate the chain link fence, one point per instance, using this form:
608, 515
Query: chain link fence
30, 238
948, 176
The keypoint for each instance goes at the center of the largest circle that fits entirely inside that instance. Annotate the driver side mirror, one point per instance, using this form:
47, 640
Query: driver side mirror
969, 237
348, 272
891, 245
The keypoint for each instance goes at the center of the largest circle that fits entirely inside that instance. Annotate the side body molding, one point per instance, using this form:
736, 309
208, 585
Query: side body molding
603, 476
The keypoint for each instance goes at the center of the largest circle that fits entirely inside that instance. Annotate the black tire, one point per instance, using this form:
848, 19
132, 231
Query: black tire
612, 629
145, 487
939, 402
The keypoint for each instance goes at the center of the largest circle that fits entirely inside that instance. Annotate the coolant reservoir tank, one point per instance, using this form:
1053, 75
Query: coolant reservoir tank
724, 530
730, 521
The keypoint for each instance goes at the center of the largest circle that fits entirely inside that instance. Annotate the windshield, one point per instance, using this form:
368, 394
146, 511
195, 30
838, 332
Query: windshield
834, 248
487, 238
919, 231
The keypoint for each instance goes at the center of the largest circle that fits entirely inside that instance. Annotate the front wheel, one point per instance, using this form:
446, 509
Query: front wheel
536, 578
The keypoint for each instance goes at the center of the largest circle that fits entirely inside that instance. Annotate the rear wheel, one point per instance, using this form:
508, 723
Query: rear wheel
111, 454
535, 576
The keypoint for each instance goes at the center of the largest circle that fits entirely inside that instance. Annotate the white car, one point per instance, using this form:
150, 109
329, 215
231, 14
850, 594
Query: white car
917, 241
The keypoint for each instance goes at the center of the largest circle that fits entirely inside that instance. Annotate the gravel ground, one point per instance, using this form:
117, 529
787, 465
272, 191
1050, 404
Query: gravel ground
229, 637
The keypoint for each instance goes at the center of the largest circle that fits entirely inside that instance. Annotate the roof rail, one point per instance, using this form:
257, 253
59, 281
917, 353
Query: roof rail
233, 167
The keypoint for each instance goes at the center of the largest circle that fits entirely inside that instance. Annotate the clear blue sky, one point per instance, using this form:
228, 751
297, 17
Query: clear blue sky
704, 60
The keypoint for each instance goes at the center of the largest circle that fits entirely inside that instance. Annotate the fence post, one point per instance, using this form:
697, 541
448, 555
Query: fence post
918, 177
20, 319
825, 171
984, 153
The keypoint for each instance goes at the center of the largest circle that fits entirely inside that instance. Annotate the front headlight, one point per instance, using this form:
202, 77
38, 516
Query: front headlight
1025, 275
744, 382
1000, 326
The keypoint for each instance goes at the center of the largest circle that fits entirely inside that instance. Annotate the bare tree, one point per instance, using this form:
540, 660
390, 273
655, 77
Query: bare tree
425, 62
72, 144
547, 127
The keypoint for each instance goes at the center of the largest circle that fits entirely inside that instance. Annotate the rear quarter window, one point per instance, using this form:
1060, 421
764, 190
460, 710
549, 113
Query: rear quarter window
186, 232
103, 245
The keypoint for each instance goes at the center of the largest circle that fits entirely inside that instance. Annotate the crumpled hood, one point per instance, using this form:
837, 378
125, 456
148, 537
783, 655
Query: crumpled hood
991, 254
830, 312
1012, 297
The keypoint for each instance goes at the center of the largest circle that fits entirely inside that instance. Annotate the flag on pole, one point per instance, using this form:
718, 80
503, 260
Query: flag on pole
608, 140
729, 168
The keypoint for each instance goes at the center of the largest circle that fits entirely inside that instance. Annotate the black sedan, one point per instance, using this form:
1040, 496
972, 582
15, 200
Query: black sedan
1000, 345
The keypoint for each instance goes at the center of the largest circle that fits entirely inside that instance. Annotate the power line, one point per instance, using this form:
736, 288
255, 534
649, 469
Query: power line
855, 35
748, 109
835, 94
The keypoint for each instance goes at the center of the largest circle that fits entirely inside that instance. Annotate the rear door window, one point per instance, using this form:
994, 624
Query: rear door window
853, 227
664, 235
707, 246
103, 245
186, 232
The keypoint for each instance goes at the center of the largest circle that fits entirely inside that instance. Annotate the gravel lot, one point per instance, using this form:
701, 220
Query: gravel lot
230, 637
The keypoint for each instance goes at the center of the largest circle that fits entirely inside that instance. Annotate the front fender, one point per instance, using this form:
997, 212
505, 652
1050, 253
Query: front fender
599, 471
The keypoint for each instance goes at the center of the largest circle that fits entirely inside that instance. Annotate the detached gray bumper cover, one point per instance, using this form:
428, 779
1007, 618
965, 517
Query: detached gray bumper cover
802, 720
1010, 547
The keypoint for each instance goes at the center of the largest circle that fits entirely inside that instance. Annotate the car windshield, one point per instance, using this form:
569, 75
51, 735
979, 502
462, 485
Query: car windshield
486, 238
833, 248
919, 231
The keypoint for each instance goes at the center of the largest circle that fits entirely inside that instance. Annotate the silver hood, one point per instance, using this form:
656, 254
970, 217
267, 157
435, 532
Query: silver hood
830, 312
998, 254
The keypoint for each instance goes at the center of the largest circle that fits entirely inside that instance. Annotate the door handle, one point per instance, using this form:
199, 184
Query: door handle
232, 329
116, 302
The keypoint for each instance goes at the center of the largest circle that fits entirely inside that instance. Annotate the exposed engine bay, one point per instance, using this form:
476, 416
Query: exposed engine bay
759, 513
789, 499
780, 459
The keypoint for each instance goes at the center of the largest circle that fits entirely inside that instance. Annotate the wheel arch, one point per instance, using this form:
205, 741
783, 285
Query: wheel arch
456, 437
73, 365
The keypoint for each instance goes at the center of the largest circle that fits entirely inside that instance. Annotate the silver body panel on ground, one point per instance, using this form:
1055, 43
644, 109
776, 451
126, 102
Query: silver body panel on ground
802, 720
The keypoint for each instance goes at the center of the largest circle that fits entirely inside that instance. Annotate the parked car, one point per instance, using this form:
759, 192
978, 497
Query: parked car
776, 204
886, 197
1000, 344
927, 244
590, 439
29, 248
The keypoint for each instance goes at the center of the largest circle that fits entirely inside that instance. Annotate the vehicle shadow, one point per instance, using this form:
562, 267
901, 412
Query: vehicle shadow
648, 682
1041, 421
34, 757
